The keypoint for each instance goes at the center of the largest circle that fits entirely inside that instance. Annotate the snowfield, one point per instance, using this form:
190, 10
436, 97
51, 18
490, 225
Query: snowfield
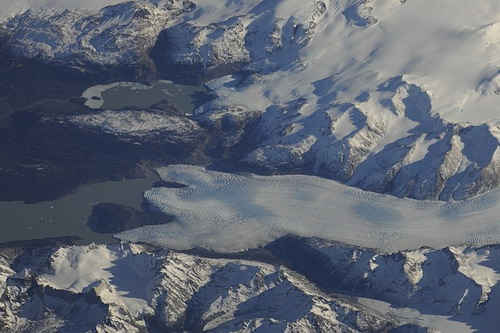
397, 97
449, 48
229, 213
398, 101
122, 276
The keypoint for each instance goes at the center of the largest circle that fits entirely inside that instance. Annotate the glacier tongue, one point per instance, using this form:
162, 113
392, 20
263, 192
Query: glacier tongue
397, 97
230, 212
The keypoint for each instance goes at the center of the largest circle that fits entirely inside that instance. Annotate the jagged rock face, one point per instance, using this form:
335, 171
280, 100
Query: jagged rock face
116, 36
136, 124
45, 294
112, 289
435, 160
455, 281
115, 288
218, 295
386, 137
239, 39
209, 46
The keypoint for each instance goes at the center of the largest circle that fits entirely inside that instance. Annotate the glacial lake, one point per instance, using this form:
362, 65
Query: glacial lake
68, 215
120, 95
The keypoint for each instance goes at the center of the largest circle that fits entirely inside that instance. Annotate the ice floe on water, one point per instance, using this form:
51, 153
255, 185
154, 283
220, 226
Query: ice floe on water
231, 212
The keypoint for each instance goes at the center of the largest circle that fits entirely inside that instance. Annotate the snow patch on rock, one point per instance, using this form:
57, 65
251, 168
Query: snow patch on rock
139, 124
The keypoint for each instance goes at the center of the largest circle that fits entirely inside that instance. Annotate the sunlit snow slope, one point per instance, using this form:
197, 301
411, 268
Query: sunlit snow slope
449, 48
398, 97
227, 212
391, 96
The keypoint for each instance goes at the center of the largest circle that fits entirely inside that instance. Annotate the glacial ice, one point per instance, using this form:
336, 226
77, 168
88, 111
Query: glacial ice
233, 212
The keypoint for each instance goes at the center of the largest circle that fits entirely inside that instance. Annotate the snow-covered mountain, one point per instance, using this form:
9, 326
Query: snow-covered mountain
113, 289
131, 288
116, 36
140, 124
389, 96
397, 97
455, 285
9, 9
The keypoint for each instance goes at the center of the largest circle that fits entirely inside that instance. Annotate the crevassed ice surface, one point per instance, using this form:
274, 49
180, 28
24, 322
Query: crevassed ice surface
228, 212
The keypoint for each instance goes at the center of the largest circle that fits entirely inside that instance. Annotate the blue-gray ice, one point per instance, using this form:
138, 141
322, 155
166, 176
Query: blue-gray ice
228, 212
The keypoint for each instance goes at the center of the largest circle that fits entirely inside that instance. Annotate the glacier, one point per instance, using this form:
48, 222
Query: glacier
234, 212
389, 100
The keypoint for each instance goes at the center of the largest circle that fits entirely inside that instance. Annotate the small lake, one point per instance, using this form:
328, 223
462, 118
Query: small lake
68, 216
120, 95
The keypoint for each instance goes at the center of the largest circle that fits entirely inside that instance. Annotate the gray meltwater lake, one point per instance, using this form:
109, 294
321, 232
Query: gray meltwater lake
131, 94
68, 215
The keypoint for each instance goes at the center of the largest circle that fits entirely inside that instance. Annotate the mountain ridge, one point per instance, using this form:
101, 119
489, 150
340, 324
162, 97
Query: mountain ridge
361, 118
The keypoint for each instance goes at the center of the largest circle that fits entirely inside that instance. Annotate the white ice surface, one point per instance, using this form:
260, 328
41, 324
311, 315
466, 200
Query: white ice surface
126, 274
412, 316
228, 212
448, 47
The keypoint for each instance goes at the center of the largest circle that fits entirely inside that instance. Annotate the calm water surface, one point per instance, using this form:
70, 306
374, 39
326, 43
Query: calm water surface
142, 96
67, 216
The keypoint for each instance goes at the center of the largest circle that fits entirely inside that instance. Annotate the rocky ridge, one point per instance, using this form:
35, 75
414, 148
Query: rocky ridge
171, 291
53, 289
117, 36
